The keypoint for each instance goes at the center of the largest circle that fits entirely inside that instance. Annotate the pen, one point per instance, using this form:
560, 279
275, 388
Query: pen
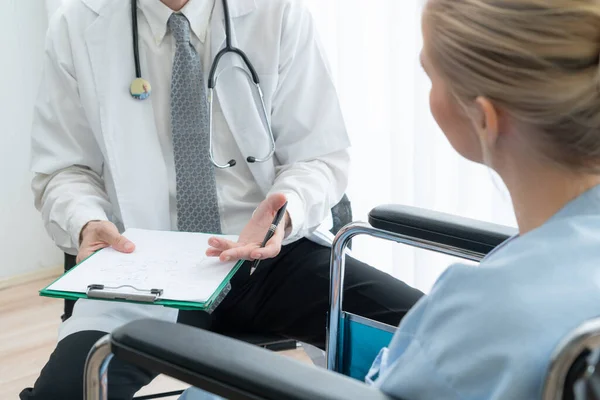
278, 216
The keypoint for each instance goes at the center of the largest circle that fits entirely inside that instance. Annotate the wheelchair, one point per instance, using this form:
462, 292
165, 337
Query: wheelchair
252, 373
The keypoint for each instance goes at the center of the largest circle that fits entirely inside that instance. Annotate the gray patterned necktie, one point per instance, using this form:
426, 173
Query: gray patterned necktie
197, 206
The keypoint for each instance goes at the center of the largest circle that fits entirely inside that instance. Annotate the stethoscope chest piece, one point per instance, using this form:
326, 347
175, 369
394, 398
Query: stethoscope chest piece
140, 89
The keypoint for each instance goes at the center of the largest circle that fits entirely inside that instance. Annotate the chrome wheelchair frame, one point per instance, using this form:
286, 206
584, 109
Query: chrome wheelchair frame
252, 373
338, 261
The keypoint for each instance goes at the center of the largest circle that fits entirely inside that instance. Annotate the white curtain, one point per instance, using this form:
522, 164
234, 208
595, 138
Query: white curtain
399, 154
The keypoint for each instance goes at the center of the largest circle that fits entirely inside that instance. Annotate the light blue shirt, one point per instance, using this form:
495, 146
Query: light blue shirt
488, 332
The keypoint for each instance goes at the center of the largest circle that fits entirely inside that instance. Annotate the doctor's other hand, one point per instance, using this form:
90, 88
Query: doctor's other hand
248, 245
97, 235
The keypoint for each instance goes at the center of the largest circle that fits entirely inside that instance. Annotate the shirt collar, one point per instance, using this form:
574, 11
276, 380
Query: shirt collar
587, 203
198, 12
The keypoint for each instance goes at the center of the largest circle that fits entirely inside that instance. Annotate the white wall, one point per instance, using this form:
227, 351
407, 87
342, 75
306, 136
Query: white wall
24, 244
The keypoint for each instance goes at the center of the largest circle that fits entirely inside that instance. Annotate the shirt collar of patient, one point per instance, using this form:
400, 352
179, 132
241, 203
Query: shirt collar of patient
157, 14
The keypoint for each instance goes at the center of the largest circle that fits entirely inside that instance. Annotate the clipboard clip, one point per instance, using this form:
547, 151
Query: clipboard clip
96, 291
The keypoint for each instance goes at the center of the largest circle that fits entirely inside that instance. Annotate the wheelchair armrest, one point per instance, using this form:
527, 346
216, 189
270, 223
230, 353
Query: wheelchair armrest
228, 367
445, 229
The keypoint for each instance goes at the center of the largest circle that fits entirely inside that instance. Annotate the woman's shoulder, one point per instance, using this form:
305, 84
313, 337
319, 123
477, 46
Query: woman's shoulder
548, 277
553, 266
536, 288
566, 249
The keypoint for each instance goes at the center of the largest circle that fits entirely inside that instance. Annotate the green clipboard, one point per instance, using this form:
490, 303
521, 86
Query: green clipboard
130, 294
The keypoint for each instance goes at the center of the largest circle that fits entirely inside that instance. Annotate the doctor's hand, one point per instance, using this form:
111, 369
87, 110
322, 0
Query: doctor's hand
248, 245
97, 235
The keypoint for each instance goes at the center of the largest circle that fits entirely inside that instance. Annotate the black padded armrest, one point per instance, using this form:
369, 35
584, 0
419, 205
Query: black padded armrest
450, 230
228, 367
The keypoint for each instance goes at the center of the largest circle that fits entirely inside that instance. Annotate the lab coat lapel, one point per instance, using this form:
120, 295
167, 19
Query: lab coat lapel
236, 95
128, 130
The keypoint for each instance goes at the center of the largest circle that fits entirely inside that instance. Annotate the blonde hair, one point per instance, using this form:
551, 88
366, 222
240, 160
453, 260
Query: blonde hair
536, 59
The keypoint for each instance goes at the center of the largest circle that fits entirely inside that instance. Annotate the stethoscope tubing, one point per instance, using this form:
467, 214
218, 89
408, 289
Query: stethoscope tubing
212, 82
134, 31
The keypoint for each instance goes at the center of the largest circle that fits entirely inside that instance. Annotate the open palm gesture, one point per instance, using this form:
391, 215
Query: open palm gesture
248, 245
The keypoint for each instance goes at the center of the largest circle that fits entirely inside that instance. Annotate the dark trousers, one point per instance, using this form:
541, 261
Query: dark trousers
288, 295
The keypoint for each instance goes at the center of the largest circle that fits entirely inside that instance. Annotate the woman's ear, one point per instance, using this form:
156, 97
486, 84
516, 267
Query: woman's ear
486, 122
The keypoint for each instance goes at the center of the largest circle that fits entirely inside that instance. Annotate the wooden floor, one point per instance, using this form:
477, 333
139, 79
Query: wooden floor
28, 331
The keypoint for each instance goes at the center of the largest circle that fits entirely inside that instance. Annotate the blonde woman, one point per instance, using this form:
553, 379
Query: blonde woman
515, 85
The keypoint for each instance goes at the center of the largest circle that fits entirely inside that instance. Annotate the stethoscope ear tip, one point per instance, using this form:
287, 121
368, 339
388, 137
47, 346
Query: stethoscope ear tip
231, 163
251, 159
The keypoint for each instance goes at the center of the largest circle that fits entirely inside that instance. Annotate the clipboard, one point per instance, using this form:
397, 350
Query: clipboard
148, 244
140, 296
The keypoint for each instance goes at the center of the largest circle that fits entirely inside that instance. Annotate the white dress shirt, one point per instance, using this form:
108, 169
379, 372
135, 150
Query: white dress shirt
237, 191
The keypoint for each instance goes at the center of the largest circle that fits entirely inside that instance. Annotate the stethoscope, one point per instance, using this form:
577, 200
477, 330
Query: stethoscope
140, 88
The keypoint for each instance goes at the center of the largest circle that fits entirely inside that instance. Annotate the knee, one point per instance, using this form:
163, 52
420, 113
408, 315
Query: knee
55, 388
62, 376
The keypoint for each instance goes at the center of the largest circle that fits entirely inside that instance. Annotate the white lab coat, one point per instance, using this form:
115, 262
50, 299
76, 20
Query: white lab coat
98, 144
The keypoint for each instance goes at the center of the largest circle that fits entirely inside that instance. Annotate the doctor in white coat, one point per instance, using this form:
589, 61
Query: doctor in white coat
104, 162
